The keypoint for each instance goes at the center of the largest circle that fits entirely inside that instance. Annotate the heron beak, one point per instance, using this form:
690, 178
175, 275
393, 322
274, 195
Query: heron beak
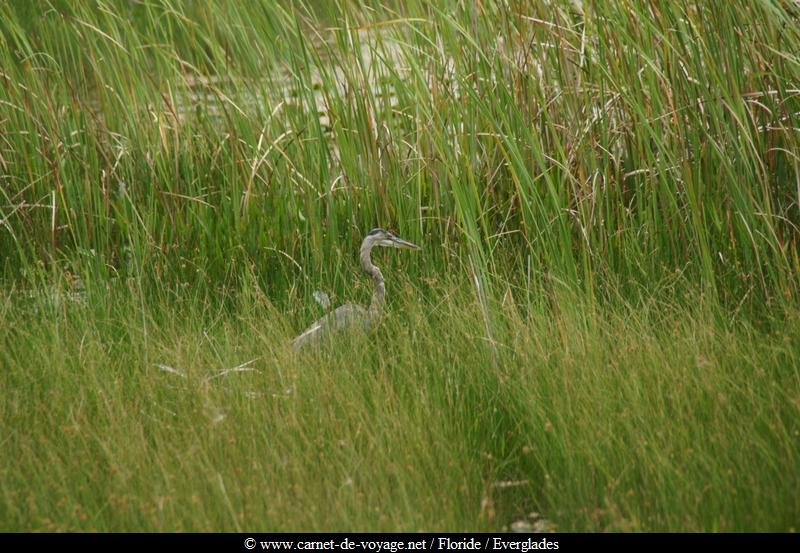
400, 243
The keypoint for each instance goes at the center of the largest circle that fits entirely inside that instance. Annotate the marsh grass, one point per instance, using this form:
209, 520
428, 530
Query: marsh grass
654, 418
601, 327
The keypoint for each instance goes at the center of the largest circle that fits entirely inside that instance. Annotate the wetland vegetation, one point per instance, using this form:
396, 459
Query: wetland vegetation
602, 326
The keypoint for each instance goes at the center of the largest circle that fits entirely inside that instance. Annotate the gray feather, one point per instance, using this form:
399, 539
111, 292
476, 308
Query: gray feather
351, 316
348, 316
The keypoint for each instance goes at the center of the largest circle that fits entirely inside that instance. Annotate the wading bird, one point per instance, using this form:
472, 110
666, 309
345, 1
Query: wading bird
351, 316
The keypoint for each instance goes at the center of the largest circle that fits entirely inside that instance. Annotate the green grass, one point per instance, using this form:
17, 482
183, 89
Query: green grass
605, 312
653, 418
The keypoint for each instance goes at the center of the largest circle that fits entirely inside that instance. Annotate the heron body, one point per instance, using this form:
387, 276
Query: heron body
352, 316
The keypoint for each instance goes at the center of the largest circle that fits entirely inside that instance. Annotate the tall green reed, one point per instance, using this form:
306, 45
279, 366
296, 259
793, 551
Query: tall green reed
602, 144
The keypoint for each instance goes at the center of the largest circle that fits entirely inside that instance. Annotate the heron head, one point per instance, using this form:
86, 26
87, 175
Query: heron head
382, 237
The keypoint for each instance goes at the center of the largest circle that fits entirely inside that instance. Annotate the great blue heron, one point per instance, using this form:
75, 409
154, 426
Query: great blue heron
350, 315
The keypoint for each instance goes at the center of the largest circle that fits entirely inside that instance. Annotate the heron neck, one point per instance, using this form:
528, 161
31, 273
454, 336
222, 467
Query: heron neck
378, 290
